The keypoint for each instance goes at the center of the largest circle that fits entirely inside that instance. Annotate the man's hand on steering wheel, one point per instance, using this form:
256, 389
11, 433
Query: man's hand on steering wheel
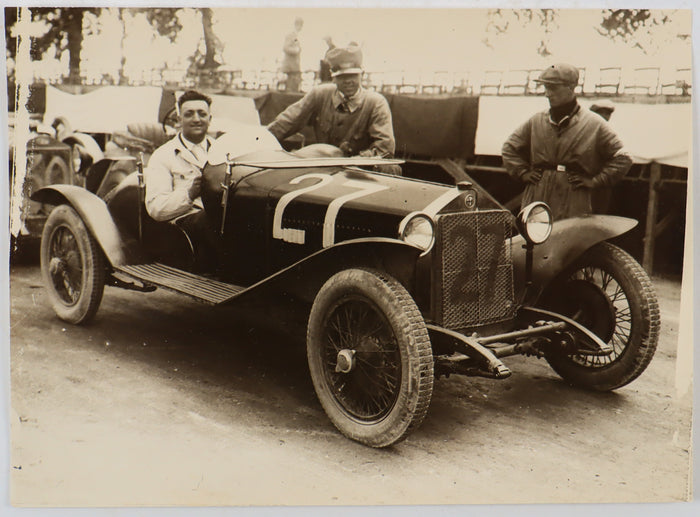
195, 189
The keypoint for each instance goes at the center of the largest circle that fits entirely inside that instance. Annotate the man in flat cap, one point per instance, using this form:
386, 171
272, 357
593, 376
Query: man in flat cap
342, 113
604, 108
562, 154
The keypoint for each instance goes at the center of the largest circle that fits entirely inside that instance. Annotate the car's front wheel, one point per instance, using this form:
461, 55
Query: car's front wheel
608, 292
72, 266
370, 357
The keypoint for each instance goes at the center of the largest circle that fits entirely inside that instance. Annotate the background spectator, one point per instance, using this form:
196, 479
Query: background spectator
291, 61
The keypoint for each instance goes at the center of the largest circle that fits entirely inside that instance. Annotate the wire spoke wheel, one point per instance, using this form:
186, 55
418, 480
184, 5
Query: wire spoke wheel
65, 267
72, 265
370, 357
608, 292
370, 386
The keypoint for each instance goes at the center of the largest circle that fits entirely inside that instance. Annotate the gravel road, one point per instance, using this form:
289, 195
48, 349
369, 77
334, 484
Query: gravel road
162, 401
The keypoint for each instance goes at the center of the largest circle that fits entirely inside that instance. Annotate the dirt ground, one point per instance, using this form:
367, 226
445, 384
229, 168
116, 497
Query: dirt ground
162, 401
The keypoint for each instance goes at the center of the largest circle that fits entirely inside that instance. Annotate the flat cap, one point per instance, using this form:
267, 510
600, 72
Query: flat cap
345, 60
560, 73
603, 104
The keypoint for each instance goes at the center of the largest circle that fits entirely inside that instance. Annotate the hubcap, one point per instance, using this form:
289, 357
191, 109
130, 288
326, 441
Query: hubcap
590, 306
362, 358
594, 298
65, 265
346, 361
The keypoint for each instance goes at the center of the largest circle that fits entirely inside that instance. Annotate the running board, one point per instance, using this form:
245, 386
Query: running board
200, 288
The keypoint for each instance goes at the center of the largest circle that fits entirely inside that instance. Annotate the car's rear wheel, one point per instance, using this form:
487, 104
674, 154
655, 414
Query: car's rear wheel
72, 265
370, 357
608, 292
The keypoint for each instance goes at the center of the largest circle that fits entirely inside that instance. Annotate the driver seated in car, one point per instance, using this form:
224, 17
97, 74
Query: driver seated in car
174, 173
173, 177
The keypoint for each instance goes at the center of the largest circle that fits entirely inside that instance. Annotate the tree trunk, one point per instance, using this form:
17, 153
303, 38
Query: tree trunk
123, 79
75, 43
211, 42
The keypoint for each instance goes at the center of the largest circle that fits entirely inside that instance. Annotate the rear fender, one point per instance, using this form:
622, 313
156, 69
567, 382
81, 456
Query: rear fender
89, 145
570, 238
107, 173
95, 214
304, 278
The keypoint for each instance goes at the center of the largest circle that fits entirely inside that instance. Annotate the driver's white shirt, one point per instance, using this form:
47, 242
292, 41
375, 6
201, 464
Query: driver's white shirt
169, 175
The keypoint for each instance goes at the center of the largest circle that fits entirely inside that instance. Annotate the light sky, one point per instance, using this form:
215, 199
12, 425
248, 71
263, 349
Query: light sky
423, 40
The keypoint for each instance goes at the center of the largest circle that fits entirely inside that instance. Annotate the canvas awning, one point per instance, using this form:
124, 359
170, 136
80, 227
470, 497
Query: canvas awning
658, 133
436, 127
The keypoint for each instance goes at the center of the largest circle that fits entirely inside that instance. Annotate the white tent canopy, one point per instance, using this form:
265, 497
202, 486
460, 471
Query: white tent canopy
112, 108
651, 132
105, 109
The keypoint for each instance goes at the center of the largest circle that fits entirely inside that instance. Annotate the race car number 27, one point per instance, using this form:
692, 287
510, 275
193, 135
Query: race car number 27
297, 236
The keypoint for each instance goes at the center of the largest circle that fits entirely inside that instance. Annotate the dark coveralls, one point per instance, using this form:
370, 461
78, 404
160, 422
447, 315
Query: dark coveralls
360, 125
582, 143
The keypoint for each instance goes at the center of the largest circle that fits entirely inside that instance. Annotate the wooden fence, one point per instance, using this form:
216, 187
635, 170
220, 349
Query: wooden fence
614, 81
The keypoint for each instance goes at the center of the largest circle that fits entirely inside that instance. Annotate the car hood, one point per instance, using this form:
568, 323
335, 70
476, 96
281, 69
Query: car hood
339, 187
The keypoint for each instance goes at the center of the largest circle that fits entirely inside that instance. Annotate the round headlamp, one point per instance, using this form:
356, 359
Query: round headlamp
535, 222
418, 229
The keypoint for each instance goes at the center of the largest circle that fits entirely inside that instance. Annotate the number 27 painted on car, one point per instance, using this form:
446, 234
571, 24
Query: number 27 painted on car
298, 236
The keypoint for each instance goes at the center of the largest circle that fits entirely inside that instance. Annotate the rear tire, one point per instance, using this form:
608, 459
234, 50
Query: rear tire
370, 357
609, 293
72, 266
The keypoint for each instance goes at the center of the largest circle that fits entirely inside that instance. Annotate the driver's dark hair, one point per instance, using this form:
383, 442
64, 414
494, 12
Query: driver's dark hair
193, 95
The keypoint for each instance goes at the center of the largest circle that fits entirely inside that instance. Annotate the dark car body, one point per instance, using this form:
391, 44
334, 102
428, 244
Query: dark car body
279, 217
405, 279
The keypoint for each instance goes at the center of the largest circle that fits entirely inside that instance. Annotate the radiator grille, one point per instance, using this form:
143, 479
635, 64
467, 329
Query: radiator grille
476, 278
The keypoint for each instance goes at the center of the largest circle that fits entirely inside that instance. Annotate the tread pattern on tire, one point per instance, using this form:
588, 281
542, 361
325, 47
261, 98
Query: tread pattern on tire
648, 327
414, 413
650, 313
425, 352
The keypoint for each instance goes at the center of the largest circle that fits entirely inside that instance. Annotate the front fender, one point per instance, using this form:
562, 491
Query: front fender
569, 239
303, 279
96, 216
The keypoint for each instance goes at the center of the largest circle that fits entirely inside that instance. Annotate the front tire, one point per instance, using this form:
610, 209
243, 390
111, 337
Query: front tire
370, 357
72, 266
608, 292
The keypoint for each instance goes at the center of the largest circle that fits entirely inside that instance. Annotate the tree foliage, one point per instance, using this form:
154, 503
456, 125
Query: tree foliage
633, 26
64, 34
66, 28
501, 21
166, 22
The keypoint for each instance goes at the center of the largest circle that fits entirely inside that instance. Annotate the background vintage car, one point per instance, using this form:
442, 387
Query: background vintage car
49, 161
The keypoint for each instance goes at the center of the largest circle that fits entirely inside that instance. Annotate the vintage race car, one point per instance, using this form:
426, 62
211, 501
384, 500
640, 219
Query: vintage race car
48, 161
404, 280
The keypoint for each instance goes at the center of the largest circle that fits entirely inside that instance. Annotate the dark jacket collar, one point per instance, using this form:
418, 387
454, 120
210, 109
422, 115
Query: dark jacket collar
568, 110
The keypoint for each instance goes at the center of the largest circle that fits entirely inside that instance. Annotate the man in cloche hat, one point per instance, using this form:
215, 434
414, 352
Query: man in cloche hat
342, 113
562, 154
